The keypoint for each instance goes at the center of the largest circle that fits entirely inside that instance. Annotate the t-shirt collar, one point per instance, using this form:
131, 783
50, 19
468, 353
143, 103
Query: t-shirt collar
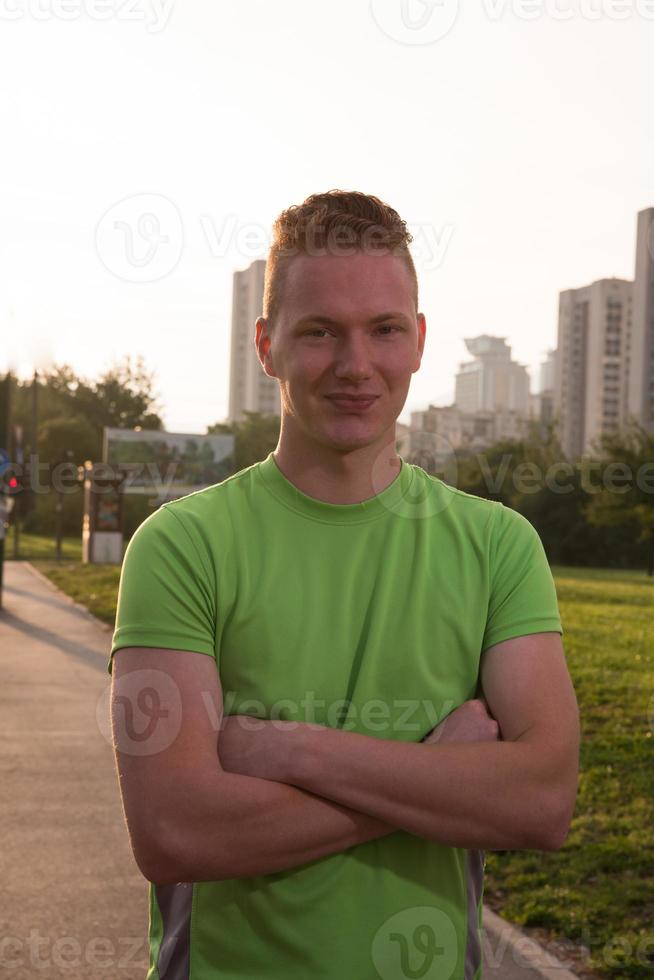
380, 505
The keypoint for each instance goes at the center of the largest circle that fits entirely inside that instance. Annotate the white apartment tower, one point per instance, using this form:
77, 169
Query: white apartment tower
492, 381
592, 364
250, 388
605, 357
641, 367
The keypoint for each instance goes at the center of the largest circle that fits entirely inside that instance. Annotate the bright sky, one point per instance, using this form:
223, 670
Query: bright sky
516, 138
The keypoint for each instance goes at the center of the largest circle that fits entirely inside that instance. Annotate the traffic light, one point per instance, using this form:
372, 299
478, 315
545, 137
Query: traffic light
12, 478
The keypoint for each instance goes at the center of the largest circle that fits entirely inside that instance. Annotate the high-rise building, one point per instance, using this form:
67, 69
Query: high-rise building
250, 388
641, 364
591, 384
492, 381
605, 357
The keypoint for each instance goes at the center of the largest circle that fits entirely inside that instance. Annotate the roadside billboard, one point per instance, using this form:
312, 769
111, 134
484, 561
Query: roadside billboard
172, 463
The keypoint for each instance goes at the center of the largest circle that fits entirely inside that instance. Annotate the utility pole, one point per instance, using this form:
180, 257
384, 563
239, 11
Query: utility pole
34, 428
18, 506
59, 508
5, 400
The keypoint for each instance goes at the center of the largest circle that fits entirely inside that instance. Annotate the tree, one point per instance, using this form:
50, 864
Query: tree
74, 410
627, 490
123, 397
5, 408
255, 437
509, 469
533, 477
63, 434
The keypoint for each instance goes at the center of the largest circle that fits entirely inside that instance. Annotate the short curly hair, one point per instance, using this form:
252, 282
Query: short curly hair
334, 223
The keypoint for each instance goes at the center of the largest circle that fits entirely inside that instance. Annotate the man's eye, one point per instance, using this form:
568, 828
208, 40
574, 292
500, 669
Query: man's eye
389, 326
312, 333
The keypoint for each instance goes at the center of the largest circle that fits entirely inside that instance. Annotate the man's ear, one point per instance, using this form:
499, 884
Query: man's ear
263, 343
422, 328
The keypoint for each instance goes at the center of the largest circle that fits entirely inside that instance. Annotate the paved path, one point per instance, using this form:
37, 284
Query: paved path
73, 903
71, 891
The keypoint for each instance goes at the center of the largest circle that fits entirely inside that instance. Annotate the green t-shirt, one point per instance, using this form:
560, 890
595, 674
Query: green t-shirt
370, 617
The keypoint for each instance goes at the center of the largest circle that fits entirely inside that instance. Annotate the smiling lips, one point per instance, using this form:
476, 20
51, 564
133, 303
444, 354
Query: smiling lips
353, 403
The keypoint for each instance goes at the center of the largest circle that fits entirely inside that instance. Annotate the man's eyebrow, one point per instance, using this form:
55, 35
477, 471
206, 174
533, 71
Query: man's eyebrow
329, 322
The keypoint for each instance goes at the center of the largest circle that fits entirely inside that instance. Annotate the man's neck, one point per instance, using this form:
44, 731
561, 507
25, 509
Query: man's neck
340, 478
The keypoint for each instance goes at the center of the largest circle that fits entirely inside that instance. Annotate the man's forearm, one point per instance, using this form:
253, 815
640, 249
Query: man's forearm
234, 826
491, 795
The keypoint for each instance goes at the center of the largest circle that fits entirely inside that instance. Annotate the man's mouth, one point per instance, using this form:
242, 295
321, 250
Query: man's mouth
356, 403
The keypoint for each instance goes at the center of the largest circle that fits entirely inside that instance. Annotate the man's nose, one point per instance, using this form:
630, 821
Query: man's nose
353, 360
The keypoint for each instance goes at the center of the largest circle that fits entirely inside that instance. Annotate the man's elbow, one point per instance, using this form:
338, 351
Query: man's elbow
555, 837
156, 864
177, 858
553, 822
166, 867
160, 859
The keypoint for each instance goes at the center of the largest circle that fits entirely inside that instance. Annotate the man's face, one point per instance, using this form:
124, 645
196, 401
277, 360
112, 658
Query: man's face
347, 326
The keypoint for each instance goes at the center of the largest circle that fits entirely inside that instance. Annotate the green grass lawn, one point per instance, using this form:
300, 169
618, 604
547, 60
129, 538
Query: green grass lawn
94, 586
37, 546
598, 890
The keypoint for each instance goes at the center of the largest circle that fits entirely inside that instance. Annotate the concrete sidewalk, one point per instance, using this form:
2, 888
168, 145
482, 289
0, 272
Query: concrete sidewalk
73, 899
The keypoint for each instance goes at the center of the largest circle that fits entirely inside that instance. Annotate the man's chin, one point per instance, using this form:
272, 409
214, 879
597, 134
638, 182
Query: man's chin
352, 436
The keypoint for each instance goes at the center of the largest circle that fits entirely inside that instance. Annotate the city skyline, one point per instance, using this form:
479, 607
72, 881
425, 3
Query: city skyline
517, 182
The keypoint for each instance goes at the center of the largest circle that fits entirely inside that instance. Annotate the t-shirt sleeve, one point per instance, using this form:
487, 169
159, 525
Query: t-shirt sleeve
165, 596
523, 596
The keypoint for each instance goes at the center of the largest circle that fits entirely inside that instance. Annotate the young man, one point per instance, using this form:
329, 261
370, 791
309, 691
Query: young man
327, 620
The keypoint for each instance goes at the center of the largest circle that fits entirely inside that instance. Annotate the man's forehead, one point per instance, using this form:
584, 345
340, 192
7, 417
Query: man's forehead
317, 277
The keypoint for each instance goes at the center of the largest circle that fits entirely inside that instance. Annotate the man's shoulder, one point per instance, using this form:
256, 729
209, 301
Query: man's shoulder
212, 498
452, 502
204, 515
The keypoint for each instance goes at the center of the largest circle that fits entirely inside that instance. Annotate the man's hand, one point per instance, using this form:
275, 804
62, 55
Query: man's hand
470, 722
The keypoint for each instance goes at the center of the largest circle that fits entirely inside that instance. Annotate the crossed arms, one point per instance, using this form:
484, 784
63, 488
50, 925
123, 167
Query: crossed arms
280, 794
